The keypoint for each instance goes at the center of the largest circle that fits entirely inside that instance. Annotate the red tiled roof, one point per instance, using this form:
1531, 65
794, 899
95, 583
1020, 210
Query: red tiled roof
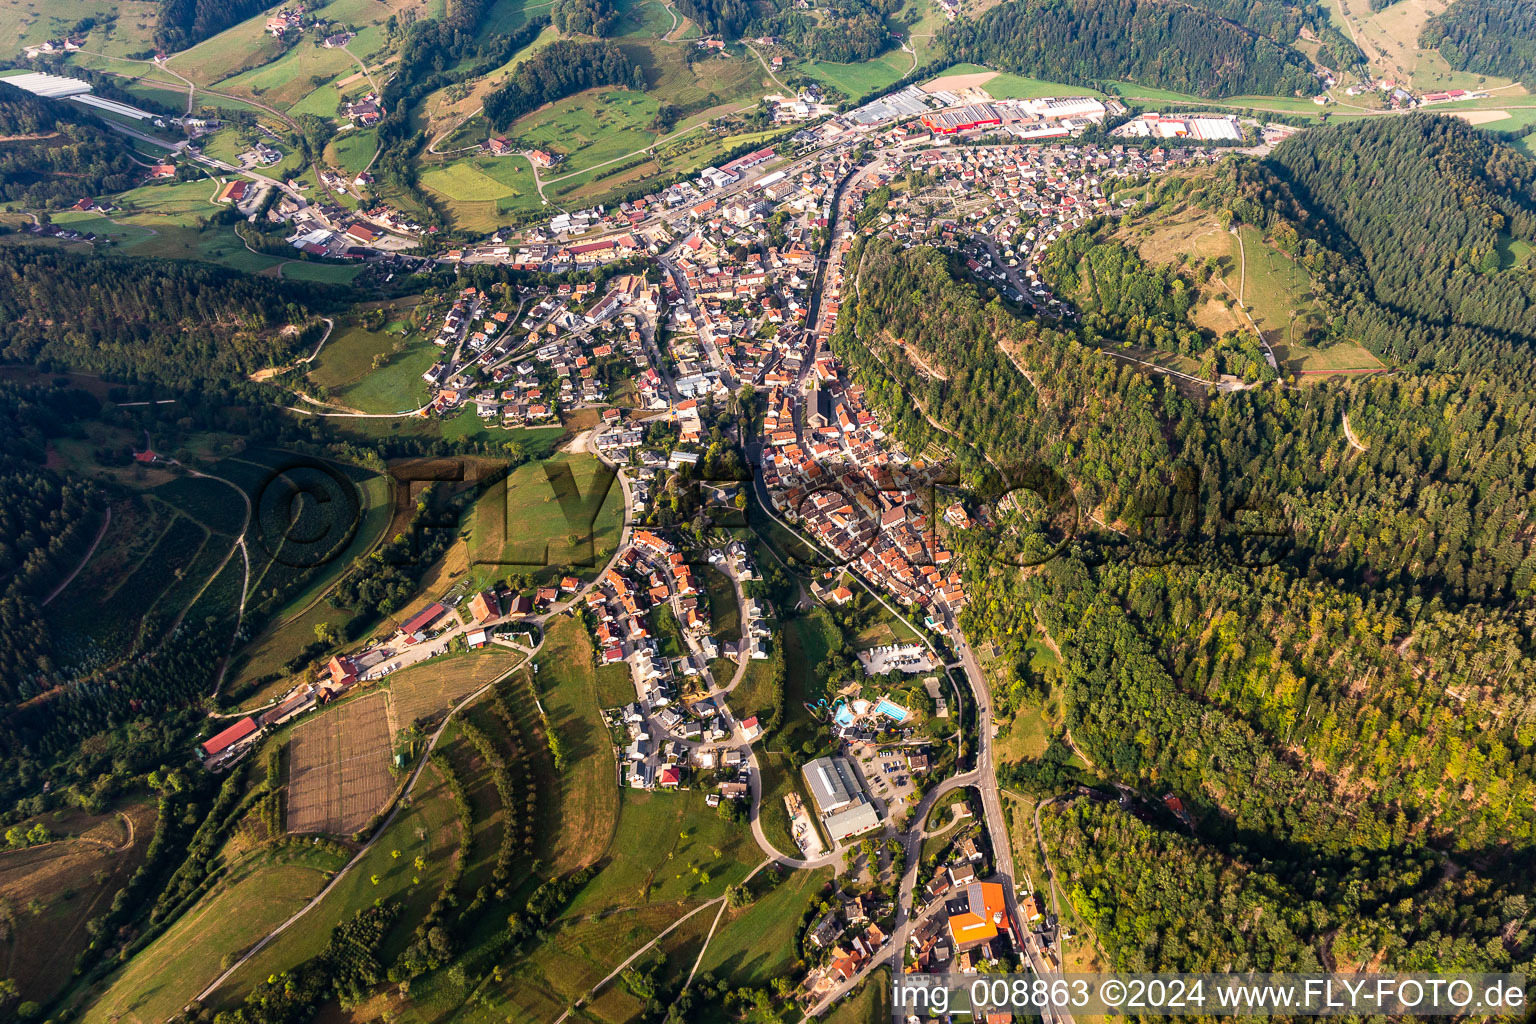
222, 741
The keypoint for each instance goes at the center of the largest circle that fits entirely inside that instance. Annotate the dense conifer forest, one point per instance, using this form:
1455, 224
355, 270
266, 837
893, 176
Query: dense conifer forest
563, 68
176, 322
55, 154
1172, 46
184, 23
1430, 205
1486, 37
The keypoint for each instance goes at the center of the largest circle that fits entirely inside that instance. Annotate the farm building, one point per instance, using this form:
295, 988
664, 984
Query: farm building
485, 606
422, 619
221, 742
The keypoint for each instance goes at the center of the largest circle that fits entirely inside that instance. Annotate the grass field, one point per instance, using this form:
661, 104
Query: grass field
426, 828
285, 81
464, 180
348, 355
26, 22
755, 944
503, 184
1282, 299
855, 80
588, 805
71, 881
647, 19
531, 523
323, 273
467, 426
591, 127
779, 780
807, 639
884, 628
871, 1001
396, 386
425, 690
242, 908
669, 848
168, 221
1027, 737
510, 15
669, 853
670, 78
724, 614
352, 151
542, 984
1008, 86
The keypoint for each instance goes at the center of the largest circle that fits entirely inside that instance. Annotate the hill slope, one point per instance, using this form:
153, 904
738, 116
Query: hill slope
1486, 37
1432, 206
1167, 45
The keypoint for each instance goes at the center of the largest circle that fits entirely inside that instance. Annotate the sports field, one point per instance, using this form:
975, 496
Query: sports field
338, 768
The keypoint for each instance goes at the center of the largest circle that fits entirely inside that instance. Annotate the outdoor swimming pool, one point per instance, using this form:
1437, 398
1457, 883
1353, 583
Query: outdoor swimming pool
844, 714
892, 711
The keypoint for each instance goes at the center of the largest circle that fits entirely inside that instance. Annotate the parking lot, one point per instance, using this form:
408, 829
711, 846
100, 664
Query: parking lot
886, 776
908, 658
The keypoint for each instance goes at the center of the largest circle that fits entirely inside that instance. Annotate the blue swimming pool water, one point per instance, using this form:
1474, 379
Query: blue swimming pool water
844, 714
894, 711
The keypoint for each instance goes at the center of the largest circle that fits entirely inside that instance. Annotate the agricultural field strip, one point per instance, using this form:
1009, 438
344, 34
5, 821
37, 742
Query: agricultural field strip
362, 852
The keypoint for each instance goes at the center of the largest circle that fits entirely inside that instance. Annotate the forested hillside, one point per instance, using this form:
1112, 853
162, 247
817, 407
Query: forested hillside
56, 153
718, 17
1153, 42
563, 68
844, 31
184, 23
1486, 37
1431, 205
585, 17
437, 53
1301, 673
180, 323
44, 520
